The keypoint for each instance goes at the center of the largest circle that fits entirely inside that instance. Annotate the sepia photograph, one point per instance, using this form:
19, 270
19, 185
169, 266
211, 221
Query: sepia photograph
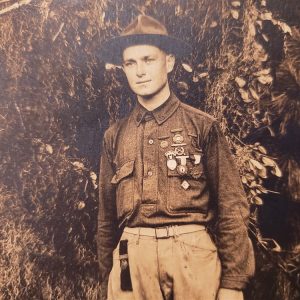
149, 150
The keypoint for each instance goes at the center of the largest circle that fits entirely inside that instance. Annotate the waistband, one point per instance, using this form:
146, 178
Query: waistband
165, 231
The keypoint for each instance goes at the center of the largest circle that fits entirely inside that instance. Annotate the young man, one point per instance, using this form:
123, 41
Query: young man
166, 174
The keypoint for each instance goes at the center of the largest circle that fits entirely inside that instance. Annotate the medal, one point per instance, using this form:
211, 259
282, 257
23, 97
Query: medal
179, 151
185, 185
195, 173
172, 164
182, 170
164, 144
178, 138
171, 161
197, 159
182, 159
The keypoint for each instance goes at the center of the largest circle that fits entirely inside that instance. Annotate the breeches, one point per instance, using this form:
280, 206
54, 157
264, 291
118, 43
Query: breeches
179, 267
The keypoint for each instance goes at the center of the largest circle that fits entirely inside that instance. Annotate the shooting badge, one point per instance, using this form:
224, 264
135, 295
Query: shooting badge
182, 168
171, 160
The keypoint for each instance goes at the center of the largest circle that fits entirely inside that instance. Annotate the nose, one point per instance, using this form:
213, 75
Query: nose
140, 69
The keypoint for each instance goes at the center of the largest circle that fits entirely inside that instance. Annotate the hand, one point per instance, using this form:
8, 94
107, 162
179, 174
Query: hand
229, 294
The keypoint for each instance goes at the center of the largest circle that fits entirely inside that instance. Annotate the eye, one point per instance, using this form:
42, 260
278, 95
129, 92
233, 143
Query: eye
128, 64
149, 60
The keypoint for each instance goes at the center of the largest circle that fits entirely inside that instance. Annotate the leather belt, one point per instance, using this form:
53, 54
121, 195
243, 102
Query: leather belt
165, 231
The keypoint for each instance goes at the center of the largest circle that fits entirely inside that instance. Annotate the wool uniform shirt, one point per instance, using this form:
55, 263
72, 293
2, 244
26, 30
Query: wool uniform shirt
173, 166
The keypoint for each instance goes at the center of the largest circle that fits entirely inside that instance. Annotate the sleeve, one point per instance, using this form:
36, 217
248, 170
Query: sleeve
234, 246
107, 220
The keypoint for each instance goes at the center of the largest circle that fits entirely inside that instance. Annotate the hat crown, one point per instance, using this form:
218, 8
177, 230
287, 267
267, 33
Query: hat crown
145, 25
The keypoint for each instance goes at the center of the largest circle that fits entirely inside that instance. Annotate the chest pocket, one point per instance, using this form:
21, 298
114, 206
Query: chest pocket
124, 180
187, 187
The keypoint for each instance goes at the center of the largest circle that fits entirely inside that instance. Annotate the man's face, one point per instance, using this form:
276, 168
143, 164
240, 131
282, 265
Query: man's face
146, 68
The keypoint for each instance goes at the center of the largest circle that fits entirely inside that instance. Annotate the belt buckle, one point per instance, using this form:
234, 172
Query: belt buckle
162, 232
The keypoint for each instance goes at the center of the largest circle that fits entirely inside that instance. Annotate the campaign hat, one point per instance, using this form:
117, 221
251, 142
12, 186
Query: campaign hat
143, 30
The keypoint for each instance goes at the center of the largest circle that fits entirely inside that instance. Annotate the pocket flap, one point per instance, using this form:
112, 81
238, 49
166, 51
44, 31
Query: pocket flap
124, 171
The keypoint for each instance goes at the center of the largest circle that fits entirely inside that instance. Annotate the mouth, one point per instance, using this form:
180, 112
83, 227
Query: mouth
142, 82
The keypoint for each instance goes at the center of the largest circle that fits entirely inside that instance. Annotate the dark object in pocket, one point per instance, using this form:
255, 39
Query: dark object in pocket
124, 266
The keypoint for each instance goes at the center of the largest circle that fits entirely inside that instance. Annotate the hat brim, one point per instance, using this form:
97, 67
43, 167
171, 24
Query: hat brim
112, 50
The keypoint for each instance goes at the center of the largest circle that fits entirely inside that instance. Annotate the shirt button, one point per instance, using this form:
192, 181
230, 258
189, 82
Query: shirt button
150, 141
150, 173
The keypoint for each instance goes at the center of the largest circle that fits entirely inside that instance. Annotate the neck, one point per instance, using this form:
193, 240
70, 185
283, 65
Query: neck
153, 101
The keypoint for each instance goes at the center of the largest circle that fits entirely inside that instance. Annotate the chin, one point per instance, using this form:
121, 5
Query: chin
144, 93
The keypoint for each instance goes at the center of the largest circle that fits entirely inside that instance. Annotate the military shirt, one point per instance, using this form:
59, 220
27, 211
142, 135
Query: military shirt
173, 166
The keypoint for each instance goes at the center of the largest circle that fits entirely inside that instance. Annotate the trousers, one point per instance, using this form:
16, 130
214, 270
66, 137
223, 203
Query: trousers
183, 266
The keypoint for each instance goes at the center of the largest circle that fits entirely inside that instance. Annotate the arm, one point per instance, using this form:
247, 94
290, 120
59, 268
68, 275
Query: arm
107, 220
234, 246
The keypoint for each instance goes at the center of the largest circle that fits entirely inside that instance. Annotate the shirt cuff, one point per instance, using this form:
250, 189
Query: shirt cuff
234, 283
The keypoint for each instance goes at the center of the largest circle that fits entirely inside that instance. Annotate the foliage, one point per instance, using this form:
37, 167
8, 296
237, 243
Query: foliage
58, 97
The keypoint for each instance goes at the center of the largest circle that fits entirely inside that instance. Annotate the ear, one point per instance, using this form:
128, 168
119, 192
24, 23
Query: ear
170, 60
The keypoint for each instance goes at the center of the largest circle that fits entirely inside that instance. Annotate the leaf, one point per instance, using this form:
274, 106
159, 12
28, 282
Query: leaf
256, 164
259, 23
268, 162
78, 165
265, 37
265, 79
258, 201
235, 14
182, 85
49, 149
245, 96
270, 244
262, 149
187, 67
250, 177
202, 75
81, 205
253, 184
244, 180
263, 173
284, 27
263, 72
109, 66
263, 190
263, 3
93, 176
276, 171
213, 24
236, 3
253, 93
264, 57
240, 81
272, 132
195, 79
266, 16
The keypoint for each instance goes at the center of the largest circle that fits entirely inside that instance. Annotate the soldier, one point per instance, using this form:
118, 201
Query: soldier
166, 174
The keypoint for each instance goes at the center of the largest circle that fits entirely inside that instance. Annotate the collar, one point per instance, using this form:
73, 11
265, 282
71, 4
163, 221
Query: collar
160, 114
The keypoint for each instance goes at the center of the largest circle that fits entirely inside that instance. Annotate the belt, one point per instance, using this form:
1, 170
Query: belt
165, 231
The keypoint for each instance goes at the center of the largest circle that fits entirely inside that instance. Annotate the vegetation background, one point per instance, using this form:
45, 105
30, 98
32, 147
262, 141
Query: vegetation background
57, 98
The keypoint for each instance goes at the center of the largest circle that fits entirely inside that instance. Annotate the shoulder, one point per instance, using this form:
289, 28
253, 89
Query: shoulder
197, 121
115, 127
197, 114
112, 133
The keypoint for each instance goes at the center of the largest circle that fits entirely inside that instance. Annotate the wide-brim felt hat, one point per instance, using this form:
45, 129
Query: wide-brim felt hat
144, 30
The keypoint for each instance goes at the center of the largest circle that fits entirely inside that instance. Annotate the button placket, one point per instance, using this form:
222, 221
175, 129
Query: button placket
149, 162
